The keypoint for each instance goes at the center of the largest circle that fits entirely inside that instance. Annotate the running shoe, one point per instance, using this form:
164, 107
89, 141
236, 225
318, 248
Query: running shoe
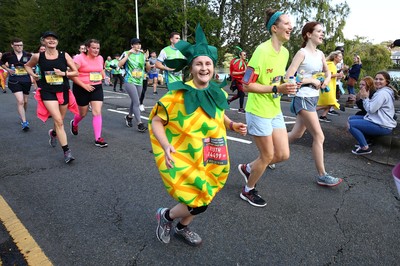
243, 171
253, 198
241, 111
53, 138
359, 151
333, 112
141, 127
68, 156
324, 119
128, 121
141, 108
329, 181
272, 166
163, 231
25, 126
100, 143
188, 236
74, 129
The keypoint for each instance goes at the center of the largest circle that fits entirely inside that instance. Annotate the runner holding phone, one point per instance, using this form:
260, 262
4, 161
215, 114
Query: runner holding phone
263, 110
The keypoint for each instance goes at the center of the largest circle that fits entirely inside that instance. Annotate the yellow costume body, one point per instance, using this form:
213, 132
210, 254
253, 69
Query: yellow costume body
201, 159
329, 98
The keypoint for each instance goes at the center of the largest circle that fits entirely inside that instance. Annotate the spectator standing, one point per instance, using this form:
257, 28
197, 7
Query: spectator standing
352, 78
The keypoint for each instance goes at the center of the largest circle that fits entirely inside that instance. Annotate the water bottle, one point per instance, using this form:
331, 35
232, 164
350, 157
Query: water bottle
37, 70
292, 80
13, 69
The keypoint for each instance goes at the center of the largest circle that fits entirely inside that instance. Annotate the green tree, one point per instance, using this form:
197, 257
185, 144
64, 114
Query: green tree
374, 57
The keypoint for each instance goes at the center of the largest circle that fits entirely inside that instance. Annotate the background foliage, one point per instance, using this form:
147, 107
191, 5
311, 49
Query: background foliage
227, 23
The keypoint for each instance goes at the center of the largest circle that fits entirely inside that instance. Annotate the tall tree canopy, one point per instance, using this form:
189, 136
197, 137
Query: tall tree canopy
227, 23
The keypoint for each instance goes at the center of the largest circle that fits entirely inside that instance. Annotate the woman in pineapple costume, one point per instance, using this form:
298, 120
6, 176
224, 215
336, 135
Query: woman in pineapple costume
188, 135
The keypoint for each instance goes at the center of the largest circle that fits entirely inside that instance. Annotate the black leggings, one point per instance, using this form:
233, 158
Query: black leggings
143, 91
240, 94
117, 77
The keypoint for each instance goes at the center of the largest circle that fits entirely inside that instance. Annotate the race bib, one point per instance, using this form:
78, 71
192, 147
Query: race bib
177, 74
214, 151
137, 73
95, 76
20, 71
52, 78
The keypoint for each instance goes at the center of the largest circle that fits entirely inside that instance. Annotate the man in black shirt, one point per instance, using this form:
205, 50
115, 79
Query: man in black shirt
19, 82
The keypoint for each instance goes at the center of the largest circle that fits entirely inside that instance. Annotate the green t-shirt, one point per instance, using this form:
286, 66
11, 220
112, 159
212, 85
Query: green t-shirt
171, 53
107, 65
268, 64
115, 69
134, 68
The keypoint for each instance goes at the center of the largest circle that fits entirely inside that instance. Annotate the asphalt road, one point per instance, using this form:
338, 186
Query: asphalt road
100, 210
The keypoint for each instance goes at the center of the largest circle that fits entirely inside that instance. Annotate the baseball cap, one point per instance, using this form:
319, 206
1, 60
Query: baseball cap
135, 41
49, 33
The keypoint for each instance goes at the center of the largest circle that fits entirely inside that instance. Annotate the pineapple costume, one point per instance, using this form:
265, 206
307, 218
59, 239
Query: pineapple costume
195, 128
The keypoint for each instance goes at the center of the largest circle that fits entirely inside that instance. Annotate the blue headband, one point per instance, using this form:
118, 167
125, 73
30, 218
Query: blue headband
273, 19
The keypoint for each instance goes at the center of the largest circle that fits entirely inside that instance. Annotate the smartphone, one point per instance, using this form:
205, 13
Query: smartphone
249, 76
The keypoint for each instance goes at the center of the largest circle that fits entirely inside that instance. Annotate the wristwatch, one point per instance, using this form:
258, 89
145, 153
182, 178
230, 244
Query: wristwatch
275, 89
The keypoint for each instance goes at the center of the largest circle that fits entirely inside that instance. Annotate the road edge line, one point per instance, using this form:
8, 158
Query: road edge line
28, 247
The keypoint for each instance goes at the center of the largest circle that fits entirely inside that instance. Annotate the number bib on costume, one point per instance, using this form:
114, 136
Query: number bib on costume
177, 74
95, 76
20, 71
137, 73
214, 151
52, 78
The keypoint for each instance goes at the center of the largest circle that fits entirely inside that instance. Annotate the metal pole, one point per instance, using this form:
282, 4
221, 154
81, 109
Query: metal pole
137, 20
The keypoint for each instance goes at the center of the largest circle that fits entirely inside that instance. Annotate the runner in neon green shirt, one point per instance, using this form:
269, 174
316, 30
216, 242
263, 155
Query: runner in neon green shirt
168, 53
263, 112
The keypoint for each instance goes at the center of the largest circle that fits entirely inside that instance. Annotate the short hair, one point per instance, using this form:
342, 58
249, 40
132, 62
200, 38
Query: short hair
173, 34
14, 40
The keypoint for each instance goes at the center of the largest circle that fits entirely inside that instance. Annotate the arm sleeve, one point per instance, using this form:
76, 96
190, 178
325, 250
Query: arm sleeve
374, 104
78, 60
162, 56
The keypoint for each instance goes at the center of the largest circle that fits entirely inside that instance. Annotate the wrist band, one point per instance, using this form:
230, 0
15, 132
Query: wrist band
231, 125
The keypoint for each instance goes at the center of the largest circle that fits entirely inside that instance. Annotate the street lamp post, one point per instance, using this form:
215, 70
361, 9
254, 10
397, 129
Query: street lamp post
137, 20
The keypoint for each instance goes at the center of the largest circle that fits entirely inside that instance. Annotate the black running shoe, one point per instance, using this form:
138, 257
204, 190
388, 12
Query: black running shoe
253, 198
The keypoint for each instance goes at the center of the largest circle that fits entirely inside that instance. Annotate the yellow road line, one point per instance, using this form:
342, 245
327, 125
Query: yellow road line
28, 247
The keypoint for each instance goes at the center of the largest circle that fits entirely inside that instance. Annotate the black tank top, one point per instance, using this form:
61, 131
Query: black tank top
57, 83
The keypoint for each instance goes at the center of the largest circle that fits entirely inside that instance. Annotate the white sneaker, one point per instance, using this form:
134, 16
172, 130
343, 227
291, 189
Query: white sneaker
141, 107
